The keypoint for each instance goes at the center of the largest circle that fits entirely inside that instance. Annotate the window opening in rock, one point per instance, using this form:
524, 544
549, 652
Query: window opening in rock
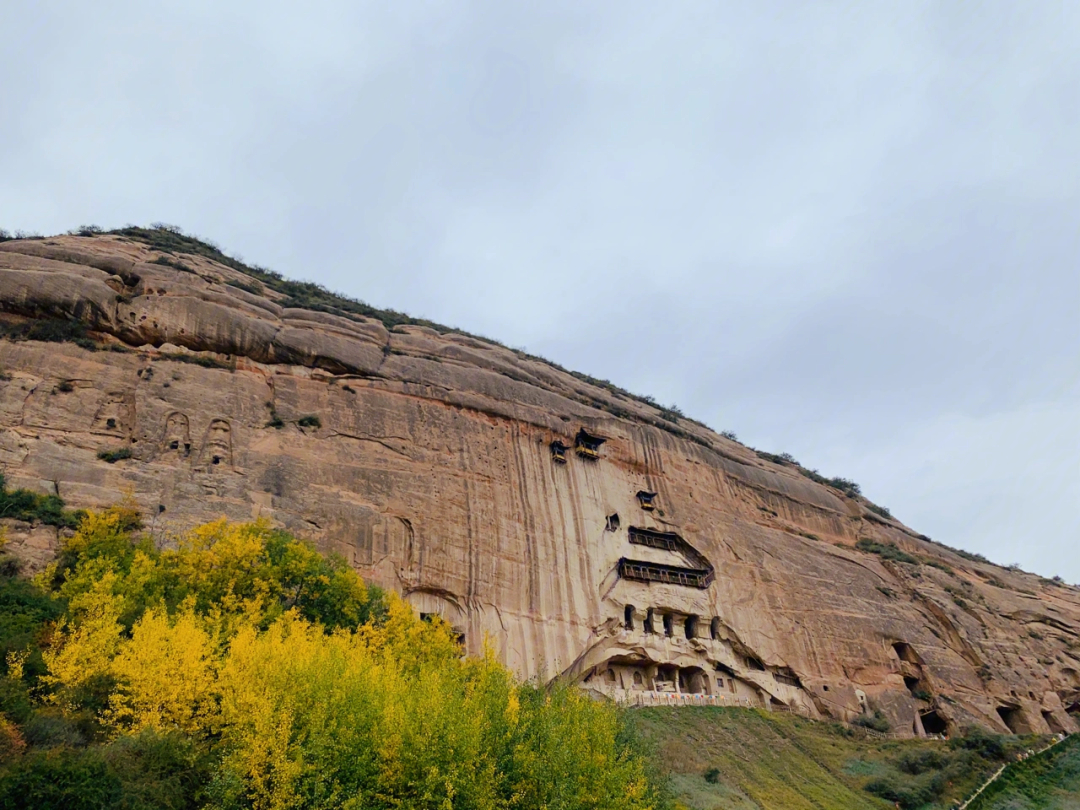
638, 680
788, 678
217, 460
588, 446
558, 452
690, 626
428, 617
110, 423
1013, 717
613, 522
609, 676
714, 628
649, 628
905, 652
824, 687
692, 681
1055, 725
934, 723
647, 500
669, 624
628, 617
174, 445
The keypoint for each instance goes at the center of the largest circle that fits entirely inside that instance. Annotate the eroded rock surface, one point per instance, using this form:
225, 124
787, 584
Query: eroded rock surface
426, 459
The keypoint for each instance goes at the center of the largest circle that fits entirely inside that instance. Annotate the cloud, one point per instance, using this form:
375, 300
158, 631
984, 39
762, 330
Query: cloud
849, 232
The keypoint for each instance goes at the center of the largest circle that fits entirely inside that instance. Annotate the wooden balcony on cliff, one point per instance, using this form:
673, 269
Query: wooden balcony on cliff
642, 571
588, 446
647, 500
667, 541
558, 452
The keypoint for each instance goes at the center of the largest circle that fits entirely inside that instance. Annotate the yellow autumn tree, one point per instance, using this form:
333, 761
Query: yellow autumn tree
311, 693
166, 674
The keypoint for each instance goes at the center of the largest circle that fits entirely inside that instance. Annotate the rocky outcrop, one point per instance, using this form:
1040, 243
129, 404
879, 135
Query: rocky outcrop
426, 459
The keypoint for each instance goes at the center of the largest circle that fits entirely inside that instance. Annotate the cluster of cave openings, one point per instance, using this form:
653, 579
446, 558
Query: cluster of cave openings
691, 623
587, 445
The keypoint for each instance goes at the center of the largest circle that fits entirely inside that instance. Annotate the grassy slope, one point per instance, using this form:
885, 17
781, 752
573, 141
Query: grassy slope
1050, 781
781, 762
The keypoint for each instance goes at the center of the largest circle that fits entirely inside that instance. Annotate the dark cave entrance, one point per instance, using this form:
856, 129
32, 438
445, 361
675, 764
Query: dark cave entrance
1055, 725
934, 723
628, 617
690, 626
1013, 717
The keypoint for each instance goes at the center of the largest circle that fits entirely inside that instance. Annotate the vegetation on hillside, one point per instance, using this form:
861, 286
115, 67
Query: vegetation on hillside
1046, 781
741, 759
242, 669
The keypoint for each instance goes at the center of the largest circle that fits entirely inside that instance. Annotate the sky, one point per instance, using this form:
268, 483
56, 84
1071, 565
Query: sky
846, 231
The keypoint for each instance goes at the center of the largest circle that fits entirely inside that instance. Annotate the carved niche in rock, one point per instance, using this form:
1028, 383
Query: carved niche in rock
115, 415
176, 437
217, 448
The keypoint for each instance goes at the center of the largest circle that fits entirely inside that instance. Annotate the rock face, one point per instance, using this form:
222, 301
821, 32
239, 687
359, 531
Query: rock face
654, 555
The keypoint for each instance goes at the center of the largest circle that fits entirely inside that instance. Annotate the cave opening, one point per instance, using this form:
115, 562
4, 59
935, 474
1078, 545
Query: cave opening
669, 625
714, 628
613, 522
905, 652
1074, 709
692, 681
648, 627
628, 617
934, 723
1013, 717
1055, 725
691, 626
911, 683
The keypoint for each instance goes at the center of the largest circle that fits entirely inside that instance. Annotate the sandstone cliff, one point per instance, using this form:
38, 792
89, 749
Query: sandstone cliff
430, 460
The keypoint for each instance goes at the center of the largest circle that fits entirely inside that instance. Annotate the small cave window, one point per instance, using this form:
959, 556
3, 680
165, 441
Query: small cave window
216, 460
825, 687
110, 423
638, 680
714, 628
647, 500
613, 522
905, 652
649, 628
628, 617
558, 452
669, 624
690, 626
588, 446
609, 676
174, 444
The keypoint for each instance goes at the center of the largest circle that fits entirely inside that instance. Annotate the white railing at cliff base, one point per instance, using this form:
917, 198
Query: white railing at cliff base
644, 698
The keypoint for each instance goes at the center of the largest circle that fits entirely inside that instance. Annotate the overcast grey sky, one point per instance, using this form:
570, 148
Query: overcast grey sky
848, 231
